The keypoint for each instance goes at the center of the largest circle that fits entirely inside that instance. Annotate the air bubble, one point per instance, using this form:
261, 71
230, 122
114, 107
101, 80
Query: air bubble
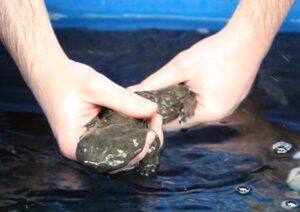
282, 147
289, 204
243, 189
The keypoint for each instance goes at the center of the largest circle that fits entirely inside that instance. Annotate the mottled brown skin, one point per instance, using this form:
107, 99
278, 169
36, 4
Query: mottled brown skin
112, 139
173, 102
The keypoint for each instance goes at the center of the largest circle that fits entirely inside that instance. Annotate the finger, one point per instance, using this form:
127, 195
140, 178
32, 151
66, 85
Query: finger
202, 116
176, 125
106, 93
134, 88
156, 126
167, 76
149, 140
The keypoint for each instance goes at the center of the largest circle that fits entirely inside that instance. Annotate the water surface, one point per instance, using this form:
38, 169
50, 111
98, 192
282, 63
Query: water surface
200, 168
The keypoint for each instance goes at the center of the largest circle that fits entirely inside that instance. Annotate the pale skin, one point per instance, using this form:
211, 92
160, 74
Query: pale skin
219, 69
70, 93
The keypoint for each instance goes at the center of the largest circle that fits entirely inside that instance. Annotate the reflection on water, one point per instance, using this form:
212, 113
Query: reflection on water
200, 168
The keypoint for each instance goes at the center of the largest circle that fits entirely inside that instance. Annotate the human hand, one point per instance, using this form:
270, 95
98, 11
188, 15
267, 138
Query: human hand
71, 94
219, 70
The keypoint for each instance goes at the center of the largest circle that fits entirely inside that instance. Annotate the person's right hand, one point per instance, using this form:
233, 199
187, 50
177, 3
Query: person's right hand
71, 94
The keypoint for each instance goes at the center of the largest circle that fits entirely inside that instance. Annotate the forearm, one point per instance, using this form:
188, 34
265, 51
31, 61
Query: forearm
256, 22
26, 32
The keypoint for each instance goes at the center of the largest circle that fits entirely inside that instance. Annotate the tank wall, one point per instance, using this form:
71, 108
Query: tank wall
144, 14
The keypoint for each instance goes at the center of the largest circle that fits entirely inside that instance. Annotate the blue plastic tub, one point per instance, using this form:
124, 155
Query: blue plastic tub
143, 14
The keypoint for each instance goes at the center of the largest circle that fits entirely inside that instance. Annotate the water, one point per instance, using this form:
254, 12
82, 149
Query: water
200, 169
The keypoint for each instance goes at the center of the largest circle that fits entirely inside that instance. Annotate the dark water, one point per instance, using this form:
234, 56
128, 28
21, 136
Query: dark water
199, 168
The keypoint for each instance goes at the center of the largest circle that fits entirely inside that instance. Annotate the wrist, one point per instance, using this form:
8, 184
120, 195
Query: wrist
255, 23
42, 75
246, 41
39, 59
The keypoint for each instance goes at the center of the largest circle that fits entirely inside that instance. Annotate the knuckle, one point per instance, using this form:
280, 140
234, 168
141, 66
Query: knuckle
145, 85
93, 84
180, 61
140, 102
123, 101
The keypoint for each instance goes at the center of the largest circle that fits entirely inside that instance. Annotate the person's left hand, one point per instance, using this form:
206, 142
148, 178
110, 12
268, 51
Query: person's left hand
219, 70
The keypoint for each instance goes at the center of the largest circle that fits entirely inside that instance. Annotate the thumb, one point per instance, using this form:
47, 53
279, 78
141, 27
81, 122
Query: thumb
106, 93
168, 75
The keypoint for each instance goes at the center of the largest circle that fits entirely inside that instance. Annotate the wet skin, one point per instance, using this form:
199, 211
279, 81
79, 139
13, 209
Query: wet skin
112, 139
